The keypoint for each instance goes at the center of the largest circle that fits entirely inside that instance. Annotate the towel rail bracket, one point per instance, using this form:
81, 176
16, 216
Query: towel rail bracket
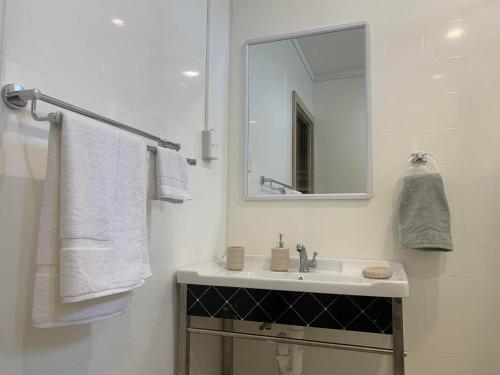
419, 157
13, 96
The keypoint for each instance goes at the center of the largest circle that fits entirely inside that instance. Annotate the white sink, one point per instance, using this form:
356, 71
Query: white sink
333, 276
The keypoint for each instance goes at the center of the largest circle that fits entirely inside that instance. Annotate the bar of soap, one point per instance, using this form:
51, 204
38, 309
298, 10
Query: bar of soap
377, 272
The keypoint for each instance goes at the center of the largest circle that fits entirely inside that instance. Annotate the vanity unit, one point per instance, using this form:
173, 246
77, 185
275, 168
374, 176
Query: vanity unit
333, 295
307, 136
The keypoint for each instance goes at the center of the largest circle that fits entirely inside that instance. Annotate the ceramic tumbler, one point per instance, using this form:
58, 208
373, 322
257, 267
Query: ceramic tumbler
235, 258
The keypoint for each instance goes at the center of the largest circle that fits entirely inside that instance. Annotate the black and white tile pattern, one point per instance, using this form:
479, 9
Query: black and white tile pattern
353, 313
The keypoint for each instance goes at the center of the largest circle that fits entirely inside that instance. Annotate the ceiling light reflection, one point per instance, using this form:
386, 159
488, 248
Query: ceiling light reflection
118, 22
455, 33
191, 73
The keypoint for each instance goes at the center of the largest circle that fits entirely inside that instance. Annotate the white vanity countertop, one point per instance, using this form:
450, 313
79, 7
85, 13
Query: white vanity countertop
332, 276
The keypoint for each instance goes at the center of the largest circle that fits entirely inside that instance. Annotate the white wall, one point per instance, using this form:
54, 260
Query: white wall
429, 92
2, 15
72, 51
275, 71
340, 136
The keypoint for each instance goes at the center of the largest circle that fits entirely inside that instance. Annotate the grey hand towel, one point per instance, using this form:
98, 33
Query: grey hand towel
424, 215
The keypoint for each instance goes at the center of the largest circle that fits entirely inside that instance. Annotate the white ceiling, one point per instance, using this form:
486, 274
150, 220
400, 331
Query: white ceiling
334, 53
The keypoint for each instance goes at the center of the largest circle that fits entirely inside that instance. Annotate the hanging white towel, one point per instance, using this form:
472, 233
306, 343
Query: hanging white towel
104, 242
48, 311
171, 175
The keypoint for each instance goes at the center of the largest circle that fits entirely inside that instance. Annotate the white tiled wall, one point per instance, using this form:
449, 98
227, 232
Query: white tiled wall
436, 78
340, 113
72, 51
276, 70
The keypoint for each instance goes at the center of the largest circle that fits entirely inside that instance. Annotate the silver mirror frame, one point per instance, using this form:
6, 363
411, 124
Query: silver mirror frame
369, 187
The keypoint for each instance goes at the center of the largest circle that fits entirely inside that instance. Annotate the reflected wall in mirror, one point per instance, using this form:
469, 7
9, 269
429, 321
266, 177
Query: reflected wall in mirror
307, 126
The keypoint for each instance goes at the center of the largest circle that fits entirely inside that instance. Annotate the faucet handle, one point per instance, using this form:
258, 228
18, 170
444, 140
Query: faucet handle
313, 263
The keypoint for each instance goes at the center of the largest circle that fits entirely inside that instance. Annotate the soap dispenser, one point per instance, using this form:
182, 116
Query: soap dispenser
280, 257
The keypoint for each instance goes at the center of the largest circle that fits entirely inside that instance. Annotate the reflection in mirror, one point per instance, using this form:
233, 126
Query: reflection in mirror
307, 128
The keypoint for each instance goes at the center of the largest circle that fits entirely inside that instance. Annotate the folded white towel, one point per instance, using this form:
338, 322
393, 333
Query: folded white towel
104, 242
289, 191
48, 311
171, 175
268, 190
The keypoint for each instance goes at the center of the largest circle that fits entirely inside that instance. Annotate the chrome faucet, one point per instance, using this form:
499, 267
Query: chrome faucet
304, 262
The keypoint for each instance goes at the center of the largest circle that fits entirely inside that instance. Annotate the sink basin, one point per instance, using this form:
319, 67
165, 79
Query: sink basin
332, 276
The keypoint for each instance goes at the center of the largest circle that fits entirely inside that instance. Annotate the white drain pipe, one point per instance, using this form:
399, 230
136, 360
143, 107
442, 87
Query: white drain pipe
289, 357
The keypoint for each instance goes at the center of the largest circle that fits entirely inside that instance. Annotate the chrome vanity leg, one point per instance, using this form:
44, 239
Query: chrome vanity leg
397, 336
183, 336
227, 359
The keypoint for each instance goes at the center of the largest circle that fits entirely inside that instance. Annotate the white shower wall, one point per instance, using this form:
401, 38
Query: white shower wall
130, 71
275, 71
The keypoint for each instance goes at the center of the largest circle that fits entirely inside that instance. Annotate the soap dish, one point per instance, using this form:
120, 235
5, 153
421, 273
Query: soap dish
377, 272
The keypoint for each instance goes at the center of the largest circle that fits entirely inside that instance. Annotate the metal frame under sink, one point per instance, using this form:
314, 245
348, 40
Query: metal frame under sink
185, 330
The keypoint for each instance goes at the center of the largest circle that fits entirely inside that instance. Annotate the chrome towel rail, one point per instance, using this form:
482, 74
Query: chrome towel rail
271, 181
287, 340
16, 96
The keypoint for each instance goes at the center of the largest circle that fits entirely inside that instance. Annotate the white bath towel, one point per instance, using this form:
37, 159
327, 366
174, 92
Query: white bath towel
104, 242
268, 190
171, 175
48, 311
289, 191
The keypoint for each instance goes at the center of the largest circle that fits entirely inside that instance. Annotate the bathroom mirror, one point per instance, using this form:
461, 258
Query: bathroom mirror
307, 120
